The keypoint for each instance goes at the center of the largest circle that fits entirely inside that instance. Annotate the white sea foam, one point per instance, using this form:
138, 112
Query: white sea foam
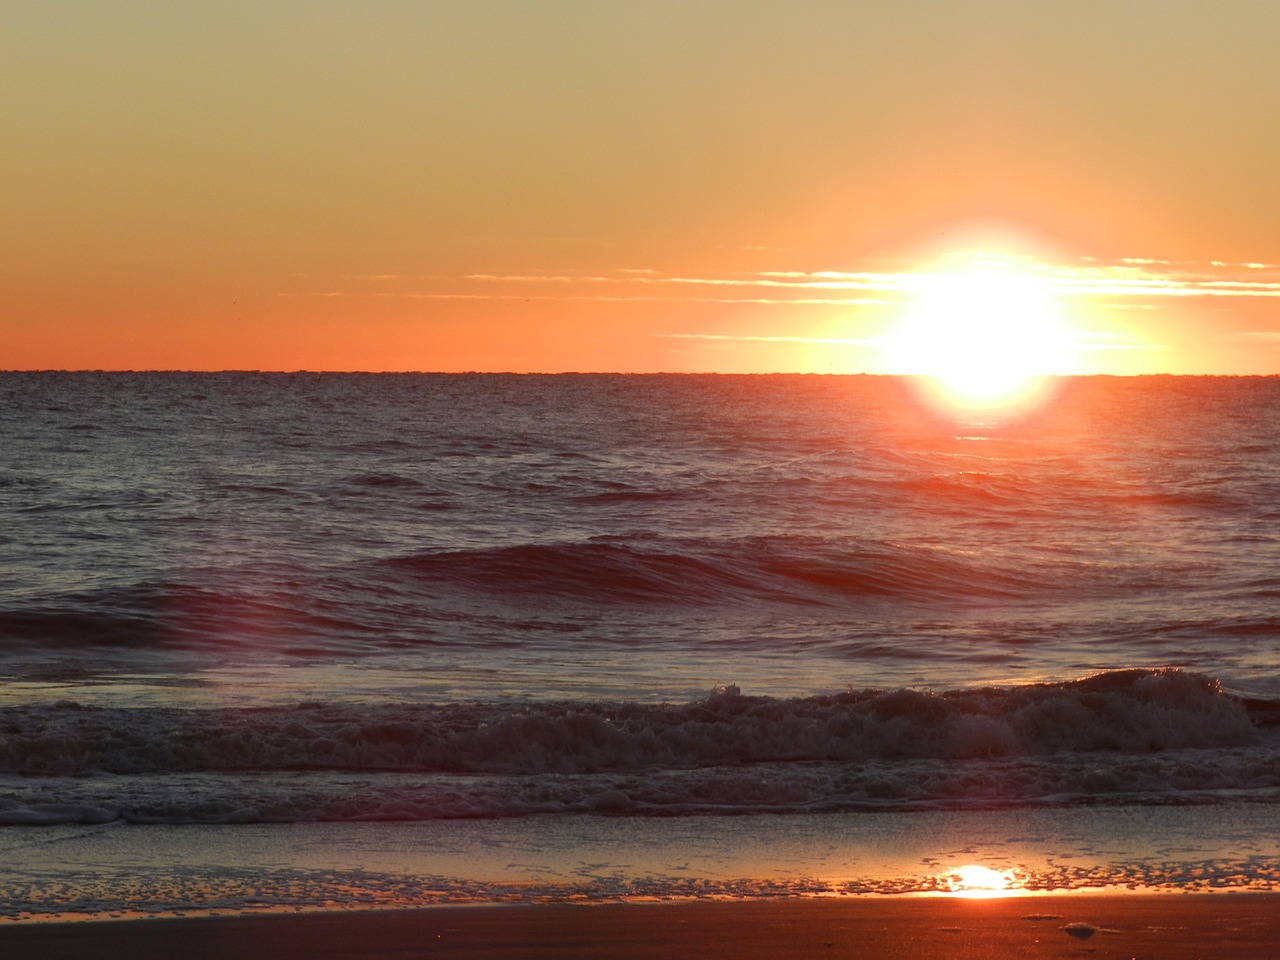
1136, 736
1130, 712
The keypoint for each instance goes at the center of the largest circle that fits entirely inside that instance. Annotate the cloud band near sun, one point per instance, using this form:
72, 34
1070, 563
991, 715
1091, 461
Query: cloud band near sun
1127, 279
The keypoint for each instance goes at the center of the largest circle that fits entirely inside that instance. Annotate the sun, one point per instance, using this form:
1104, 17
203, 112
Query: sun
984, 332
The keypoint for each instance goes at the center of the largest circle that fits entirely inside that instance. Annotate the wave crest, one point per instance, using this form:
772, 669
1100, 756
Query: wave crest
1125, 712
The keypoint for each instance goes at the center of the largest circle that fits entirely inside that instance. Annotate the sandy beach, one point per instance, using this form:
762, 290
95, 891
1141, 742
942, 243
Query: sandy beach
1169, 927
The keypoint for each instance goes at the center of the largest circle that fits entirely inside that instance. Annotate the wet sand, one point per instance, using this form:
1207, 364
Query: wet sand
1172, 927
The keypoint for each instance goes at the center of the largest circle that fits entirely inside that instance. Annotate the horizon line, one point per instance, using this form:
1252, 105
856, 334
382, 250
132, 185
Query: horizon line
589, 373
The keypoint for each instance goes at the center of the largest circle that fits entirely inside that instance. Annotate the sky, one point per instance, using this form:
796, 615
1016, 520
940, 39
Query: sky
740, 186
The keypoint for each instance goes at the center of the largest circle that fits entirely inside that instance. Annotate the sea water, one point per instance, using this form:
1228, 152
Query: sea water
321, 640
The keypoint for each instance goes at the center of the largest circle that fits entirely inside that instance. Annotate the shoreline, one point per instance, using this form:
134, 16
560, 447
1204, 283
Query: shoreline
1171, 926
589, 901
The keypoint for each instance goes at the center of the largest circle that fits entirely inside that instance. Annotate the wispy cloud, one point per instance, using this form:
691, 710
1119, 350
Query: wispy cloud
1129, 282
869, 300
1127, 278
771, 280
1145, 277
842, 341
623, 298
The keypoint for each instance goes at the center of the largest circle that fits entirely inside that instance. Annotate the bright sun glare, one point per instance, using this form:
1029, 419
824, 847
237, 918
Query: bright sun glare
984, 333
973, 880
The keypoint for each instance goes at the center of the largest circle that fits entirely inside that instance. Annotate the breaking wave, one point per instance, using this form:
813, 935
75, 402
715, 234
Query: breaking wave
1158, 736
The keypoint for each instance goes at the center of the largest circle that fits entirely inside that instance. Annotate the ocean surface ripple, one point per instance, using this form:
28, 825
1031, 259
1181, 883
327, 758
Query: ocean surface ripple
278, 598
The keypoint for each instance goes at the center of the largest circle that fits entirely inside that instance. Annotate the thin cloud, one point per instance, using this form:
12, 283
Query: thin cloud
534, 278
843, 341
1130, 277
809, 281
628, 298
826, 280
1126, 283
1138, 277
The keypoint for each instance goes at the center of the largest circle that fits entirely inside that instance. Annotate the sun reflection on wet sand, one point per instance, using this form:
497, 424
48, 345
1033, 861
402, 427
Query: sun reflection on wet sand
978, 882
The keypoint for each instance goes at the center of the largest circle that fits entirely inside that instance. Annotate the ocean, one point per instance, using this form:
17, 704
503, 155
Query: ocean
303, 641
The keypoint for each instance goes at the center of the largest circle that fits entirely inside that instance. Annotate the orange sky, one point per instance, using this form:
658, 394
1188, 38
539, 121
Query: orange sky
726, 186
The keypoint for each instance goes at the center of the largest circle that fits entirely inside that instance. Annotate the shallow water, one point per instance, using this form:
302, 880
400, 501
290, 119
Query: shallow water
128, 871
